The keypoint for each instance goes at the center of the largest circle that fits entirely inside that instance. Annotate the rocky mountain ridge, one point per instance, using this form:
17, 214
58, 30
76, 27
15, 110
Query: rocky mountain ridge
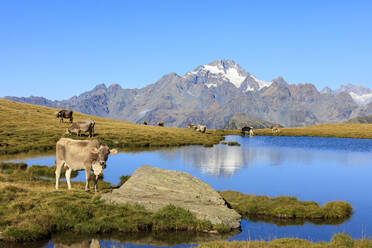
212, 94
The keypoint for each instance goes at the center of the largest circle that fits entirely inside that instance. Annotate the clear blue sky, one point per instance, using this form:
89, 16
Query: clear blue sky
58, 49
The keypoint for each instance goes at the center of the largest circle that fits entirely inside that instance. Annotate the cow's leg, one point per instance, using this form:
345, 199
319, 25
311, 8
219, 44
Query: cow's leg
59, 165
87, 175
95, 183
68, 177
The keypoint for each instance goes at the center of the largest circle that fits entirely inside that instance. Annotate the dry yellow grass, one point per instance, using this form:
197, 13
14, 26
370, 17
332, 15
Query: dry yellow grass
341, 130
27, 127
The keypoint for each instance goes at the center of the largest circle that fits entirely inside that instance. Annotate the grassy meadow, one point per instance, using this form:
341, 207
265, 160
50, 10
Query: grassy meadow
284, 207
339, 130
31, 128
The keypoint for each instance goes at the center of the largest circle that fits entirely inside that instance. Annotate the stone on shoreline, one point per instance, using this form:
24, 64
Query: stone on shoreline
155, 188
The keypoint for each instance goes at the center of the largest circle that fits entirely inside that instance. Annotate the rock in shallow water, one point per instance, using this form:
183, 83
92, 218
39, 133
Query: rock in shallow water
155, 188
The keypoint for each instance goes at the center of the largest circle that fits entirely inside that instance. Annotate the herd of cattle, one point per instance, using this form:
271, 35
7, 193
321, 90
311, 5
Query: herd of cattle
91, 155
76, 155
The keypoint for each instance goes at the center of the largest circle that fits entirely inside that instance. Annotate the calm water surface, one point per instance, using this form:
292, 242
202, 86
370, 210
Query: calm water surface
314, 169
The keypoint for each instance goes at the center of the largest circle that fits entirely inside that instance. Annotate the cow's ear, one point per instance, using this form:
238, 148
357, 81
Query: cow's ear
95, 150
113, 151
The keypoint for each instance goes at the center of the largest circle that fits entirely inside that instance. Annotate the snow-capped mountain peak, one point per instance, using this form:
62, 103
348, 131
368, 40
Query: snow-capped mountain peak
360, 94
227, 70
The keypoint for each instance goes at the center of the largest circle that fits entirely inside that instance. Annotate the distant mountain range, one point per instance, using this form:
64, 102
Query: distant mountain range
212, 94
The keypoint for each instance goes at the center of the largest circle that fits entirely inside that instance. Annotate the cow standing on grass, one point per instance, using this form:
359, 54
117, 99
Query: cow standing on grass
81, 155
192, 126
81, 126
275, 129
67, 114
247, 130
201, 128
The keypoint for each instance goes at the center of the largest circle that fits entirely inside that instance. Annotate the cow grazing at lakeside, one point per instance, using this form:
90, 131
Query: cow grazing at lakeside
81, 155
81, 126
247, 130
161, 124
65, 114
201, 128
192, 126
144, 123
275, 129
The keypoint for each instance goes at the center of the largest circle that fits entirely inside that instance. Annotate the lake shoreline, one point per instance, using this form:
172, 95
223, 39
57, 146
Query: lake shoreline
75, 210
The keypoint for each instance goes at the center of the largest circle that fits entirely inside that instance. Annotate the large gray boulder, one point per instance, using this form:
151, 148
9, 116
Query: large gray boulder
155, 188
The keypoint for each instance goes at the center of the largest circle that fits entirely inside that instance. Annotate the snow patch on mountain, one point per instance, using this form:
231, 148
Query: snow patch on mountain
361, 99
230, 74
211, 85
249, 88
261, 83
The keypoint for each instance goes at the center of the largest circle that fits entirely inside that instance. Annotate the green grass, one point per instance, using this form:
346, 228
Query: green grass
123, 179
31, 209
284, 207
341, 130
231, 143
13, 166
338, 241
47, 171
31, 128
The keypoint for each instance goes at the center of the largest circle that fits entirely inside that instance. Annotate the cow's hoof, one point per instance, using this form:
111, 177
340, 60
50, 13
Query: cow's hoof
86, 190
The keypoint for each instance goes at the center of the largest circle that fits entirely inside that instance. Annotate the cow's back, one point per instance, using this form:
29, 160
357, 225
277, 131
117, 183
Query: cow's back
67, 113
84, 125
75, 152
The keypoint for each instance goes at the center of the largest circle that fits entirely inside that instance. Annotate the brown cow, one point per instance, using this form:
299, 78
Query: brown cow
81, 155
67, 114
161, 124
81, 126
192, 126
275, 129
247, 130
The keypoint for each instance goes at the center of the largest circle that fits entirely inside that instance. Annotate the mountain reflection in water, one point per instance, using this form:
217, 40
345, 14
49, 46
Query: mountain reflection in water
151, 239
93, 243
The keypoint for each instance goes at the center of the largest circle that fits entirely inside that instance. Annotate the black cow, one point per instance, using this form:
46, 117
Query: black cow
66, 114
247, 130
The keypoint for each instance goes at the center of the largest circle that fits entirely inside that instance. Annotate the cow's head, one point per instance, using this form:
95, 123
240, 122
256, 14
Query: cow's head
102, 155
59, 114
